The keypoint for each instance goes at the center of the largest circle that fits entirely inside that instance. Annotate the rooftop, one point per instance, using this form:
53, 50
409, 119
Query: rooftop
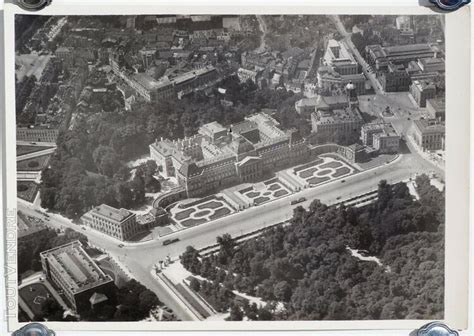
409, 48
438, 104
149, 83
426, 126
76, 267
244, 127
213, 127
423, 85
337, 116
118, 215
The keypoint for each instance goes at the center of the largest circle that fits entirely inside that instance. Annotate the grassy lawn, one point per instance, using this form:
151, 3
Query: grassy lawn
184, 214
192, 301
252, 194
34, 164
24, 149
274, 180
163, 230
333, 164
318, 180
308, 173
34, 295
308, 165
261, 200
220, 213
210, 205
280, 193
202, 213
341, 171
274, 187
324, 172
192, 222
27, 190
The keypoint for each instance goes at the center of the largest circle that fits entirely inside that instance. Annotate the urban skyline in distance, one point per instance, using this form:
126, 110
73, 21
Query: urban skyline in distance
230, 167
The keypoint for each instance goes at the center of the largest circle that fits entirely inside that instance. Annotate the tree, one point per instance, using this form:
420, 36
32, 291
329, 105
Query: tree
148, 301
236, 313
195, 284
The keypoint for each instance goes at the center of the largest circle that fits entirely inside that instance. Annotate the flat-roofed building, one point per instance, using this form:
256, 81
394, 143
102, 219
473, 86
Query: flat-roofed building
421, 91
395, 79
65, 54
306, 106
37, 134
436, 107
337, 125
340, 59
155, 90
328, 79
432, 65
74, 272
402, 54
117, 223
245, 74
382, 137
429, 135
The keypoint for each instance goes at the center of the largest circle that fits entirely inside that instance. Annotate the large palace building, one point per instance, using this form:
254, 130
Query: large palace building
218, 156
73, 271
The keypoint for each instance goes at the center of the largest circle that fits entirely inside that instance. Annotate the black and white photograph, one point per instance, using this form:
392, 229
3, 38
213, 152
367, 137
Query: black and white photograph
230, 167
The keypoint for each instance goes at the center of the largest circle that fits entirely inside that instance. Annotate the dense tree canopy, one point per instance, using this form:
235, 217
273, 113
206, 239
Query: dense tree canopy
89, 166
309, 268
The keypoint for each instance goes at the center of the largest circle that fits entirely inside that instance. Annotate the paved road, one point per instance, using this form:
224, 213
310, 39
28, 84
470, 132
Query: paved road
139, 258
348, 41
263, 29
36, 154
33, 143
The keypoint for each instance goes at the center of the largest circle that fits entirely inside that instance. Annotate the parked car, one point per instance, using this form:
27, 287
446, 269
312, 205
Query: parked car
299, 200
170, 241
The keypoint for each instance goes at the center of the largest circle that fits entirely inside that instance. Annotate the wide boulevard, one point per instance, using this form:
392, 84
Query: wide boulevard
140, 258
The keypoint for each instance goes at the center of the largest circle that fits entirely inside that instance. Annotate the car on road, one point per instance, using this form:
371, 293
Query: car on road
121, 245
343, 181
338, 198
83, 227
299, 200
170, 241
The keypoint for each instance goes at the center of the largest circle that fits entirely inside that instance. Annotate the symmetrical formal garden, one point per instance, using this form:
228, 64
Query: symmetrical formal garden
324, 169
200, 211
265, 191
27, 190
33, 164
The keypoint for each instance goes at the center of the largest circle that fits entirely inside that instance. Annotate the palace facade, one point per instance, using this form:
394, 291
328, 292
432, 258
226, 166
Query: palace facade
219, 157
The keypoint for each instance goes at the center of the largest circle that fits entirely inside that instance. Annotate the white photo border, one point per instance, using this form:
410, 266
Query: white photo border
457, 162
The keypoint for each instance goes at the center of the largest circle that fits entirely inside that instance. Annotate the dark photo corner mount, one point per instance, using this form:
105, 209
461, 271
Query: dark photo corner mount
32, 5
444, 5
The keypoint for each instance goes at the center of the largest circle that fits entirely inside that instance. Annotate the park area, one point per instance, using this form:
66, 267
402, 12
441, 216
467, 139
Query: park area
27, 190
322, 170
265, 191
34, 295
200, 211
